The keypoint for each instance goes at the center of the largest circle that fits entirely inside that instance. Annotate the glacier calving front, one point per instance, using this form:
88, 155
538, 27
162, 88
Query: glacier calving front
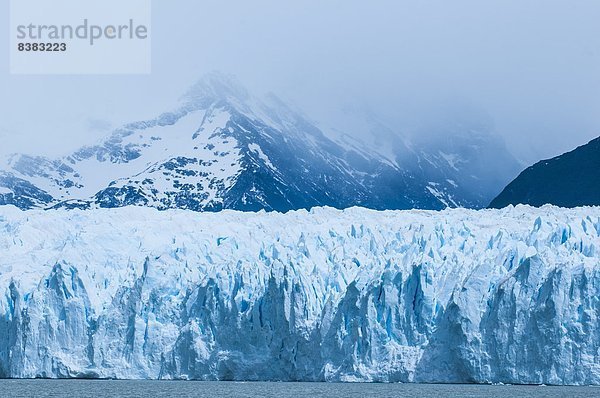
507, 295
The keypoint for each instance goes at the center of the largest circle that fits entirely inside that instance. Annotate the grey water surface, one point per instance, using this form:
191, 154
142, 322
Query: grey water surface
146, 389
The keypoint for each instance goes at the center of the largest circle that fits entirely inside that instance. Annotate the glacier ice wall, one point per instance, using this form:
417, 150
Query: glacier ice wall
508, 295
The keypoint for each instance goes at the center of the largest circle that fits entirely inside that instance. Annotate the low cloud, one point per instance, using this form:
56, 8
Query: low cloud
533, 67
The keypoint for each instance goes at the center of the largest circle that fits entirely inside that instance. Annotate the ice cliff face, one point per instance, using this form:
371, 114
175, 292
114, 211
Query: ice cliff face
507, 295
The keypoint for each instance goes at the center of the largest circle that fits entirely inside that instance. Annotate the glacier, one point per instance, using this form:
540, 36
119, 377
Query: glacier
485, 296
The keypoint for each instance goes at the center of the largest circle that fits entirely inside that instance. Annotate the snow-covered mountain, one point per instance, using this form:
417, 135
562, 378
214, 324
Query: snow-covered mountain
460, 295
222, 148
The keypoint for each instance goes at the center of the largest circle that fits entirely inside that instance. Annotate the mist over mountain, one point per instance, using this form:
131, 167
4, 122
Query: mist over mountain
224, 148
533, 66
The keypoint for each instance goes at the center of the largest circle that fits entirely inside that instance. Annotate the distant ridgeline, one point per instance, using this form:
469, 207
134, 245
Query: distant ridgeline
569, 180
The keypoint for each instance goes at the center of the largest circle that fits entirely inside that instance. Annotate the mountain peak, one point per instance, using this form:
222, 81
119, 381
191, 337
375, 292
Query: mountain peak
215, 86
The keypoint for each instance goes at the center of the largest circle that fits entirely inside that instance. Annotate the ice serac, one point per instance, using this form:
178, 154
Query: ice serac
485, 296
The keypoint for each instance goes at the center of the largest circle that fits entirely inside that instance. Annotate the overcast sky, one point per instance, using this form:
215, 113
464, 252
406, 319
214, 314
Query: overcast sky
531, 66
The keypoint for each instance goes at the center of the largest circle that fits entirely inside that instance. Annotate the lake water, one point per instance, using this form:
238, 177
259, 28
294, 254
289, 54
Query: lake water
147, 389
